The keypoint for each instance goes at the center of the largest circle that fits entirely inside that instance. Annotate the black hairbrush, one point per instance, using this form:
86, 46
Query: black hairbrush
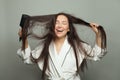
22, 22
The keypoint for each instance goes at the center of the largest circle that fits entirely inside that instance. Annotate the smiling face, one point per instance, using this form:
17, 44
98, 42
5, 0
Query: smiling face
61, 26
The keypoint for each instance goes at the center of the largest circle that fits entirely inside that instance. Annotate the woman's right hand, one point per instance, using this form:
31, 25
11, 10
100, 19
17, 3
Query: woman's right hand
20, 35
20, 32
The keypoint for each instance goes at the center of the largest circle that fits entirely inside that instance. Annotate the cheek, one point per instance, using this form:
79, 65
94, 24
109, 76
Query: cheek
67, 28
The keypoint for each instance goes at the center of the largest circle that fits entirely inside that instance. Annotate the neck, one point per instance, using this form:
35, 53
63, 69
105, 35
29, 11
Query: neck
59, 40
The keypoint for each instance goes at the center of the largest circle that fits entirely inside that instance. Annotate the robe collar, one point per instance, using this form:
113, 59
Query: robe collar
62, 54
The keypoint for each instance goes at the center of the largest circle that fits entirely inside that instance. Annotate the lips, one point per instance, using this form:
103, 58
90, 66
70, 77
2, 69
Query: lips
59, 30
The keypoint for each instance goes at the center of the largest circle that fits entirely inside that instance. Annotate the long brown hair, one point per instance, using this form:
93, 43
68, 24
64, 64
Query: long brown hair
74, 40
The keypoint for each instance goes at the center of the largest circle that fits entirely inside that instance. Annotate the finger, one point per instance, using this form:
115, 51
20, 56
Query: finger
20, 32
94, 24
94, 27
20, 29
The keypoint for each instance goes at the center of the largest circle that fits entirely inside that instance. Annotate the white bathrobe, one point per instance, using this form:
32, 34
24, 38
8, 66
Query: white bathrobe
62, 66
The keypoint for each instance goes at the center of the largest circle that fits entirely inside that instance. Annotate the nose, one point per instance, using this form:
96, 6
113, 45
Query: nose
59, 25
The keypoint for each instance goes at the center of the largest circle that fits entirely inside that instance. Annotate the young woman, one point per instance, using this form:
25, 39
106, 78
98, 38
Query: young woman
62, 54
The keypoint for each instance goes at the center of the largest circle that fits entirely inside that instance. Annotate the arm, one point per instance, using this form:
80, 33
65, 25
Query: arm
96, 52
27, 55
20, 35
98, 36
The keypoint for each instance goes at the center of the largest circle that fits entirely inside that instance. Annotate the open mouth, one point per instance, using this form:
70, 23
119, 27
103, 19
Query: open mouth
59, 30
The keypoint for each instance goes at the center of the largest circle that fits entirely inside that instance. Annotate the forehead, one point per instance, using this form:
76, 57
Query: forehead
62, 18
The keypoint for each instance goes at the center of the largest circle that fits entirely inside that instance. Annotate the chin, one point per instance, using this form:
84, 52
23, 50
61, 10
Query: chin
61, 36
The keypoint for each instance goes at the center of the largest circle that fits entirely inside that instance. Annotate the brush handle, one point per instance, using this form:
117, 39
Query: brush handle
22, 22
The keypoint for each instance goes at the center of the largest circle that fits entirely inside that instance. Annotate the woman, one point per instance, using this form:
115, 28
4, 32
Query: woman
62, 54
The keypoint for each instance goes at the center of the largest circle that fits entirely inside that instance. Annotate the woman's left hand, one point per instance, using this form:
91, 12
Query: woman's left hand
94, 27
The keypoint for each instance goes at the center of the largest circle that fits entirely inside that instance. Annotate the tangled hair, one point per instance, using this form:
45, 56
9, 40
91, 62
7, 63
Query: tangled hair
48, 21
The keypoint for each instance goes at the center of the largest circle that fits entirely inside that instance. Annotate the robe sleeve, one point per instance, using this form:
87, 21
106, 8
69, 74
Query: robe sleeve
28, 55
94, 53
